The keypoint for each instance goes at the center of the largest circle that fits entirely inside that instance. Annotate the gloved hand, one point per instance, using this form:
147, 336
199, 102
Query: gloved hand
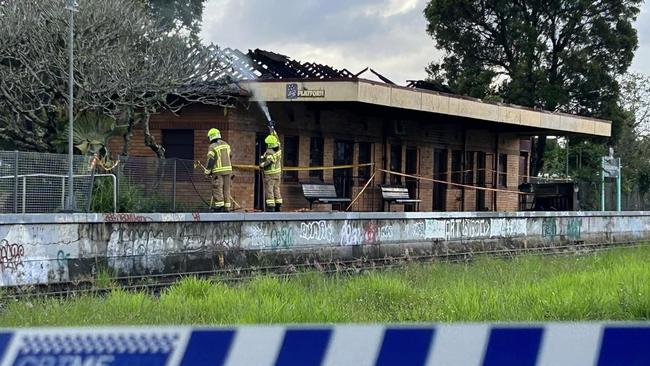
207, 172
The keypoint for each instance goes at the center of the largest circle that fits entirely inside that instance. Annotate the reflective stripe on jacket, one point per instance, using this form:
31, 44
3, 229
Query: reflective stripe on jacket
272, 162
220, 152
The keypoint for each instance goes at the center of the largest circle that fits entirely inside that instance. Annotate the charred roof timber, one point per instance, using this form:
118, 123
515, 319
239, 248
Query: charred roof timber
260, 64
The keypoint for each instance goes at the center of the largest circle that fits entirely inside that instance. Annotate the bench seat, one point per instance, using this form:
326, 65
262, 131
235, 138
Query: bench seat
399, 195
322, 193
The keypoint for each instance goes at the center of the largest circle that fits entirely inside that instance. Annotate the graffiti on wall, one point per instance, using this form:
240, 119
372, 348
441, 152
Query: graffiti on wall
385, 233
282, 237
549, 229
468, 229
11, 256
573, 229
435, 229
352, 233
136, 248
414, 230
321, 231
268, 235
126, 217
508, 228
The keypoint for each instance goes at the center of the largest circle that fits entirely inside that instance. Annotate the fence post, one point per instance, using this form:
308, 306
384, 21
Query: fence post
116, 192
16, 182
24, 192
174, 186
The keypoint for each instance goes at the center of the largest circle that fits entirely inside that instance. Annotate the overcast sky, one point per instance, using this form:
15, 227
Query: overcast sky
387, 35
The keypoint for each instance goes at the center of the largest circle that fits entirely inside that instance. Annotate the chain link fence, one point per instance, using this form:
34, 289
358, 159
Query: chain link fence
154, 185
32, 182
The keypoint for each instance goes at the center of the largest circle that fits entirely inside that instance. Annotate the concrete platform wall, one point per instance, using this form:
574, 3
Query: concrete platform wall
48, 249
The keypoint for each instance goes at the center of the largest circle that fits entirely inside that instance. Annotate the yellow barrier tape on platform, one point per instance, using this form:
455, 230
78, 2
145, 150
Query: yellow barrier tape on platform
452, 184
305, 168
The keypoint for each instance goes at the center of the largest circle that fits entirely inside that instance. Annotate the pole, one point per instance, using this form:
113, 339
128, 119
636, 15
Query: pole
602, 189
71, 204
16, 182
174, 187
618, 186
567, 157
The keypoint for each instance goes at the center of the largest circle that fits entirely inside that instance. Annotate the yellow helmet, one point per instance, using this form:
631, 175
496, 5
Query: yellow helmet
214, 134
271, 141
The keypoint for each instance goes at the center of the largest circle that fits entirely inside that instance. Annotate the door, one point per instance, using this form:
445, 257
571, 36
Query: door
343, 151
260, 147
439, 173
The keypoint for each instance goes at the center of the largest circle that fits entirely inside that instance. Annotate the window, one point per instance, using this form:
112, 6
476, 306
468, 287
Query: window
290, 154
523, 167
316, 157
396, 164
456, 165
469, 167
365, 157
178, 144
503, 170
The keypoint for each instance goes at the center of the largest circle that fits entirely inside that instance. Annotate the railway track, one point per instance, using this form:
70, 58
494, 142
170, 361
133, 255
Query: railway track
156, 283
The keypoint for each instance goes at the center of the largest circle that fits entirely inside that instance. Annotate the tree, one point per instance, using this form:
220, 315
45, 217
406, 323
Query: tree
559, 55
178, 15
125, 67
633, 145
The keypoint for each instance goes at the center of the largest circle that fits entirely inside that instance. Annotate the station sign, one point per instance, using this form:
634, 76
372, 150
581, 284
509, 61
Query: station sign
295, 92
611, 166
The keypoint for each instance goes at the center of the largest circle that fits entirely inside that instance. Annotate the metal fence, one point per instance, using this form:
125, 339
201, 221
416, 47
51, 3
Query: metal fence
154, 185
33, 182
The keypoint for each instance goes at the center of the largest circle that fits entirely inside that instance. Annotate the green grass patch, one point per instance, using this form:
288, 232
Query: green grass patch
613, 285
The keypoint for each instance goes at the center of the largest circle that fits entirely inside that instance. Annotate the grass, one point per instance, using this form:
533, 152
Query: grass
612, 285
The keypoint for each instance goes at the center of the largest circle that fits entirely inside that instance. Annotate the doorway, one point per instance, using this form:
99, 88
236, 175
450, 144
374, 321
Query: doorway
439, 173
258, 197
480, 181
343, 155
411, 168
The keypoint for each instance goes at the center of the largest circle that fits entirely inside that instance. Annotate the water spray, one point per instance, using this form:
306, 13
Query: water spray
250, 75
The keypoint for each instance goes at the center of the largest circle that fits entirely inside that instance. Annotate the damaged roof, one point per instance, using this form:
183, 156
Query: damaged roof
260, 64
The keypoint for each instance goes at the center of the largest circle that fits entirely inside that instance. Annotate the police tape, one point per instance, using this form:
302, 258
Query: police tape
576, 344
458, 185
198, 164
305, 168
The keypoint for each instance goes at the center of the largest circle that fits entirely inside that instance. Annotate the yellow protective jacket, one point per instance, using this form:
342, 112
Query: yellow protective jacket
219, 158
271, 162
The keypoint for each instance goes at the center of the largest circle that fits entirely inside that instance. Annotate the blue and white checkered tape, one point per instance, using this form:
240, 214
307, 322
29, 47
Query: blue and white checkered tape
578, 344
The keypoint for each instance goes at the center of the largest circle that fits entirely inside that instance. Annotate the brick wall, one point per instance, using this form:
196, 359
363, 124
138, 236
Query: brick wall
353, 123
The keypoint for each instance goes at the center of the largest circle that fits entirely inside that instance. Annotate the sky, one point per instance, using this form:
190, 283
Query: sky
387, 35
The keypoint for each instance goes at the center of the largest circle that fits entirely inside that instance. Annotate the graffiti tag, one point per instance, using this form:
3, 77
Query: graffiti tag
11, 255
317, 230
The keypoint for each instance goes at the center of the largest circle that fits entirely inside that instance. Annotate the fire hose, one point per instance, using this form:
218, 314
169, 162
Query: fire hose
198, 164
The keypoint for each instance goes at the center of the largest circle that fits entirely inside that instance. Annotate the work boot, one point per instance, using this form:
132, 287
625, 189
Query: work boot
270, 208
278, 207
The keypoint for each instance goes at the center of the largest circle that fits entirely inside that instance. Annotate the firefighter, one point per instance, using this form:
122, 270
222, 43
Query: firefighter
271, 166
219, 168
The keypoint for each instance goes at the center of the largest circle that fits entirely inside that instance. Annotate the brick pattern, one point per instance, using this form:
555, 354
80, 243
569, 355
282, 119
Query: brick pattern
241, 126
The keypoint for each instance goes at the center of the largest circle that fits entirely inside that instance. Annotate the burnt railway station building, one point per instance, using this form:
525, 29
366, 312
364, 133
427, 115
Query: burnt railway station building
329, 117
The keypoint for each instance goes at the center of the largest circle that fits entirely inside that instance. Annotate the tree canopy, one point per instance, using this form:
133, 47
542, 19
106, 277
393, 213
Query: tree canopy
125, 68
176, 15
559, 55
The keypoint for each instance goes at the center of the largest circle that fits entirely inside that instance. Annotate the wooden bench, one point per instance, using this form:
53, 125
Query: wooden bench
322, 193
399, 195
